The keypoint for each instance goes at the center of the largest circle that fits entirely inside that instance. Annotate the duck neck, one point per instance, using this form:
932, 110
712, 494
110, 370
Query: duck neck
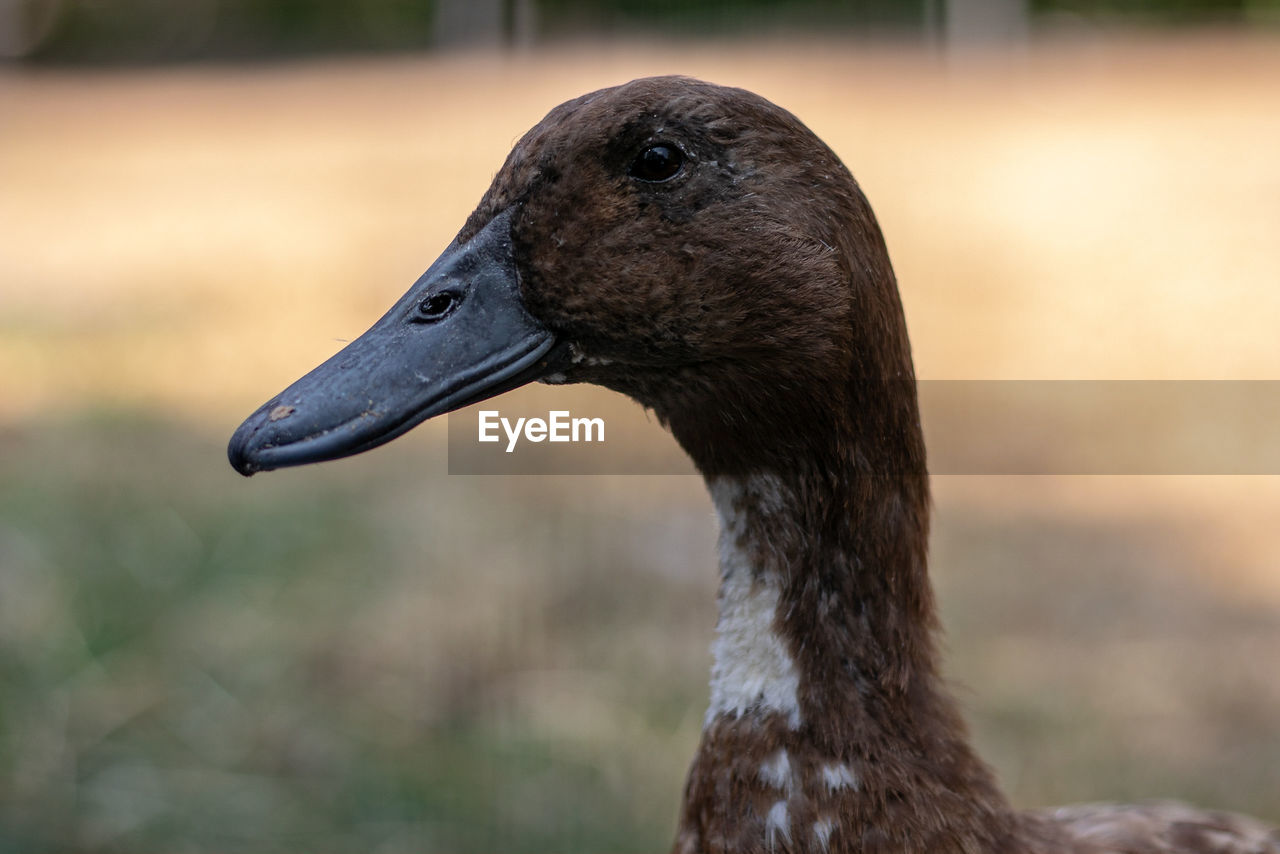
828, 728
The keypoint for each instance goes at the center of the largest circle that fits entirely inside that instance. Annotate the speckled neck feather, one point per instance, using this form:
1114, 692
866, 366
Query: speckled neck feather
828, 729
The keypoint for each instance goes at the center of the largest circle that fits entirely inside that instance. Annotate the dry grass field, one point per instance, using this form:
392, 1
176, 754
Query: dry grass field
376, 656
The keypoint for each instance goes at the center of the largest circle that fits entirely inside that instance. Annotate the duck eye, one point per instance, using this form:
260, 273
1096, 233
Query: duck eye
657, 163
437, 306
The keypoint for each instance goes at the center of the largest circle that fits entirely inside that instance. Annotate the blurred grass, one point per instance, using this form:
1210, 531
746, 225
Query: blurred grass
371, 655
1105, 660
193, 662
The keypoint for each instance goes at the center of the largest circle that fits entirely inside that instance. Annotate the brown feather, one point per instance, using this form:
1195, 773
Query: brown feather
1164, 828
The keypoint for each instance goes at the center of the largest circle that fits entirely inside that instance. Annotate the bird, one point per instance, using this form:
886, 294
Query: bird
697, 248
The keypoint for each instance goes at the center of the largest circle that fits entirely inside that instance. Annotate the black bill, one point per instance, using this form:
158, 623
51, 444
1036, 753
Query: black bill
460, 335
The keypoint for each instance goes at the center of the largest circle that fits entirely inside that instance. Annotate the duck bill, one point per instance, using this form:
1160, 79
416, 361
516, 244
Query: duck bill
460, 335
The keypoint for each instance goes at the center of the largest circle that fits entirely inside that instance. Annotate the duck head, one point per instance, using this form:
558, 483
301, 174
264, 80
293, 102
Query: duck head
693, 246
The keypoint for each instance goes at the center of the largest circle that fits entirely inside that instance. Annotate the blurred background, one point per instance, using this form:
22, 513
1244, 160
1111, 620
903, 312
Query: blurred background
201, 199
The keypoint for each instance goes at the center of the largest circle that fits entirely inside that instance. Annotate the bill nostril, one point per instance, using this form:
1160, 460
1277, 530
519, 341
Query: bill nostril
437, 306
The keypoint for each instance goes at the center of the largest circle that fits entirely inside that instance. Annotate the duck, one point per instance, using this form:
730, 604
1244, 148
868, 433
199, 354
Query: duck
697, 248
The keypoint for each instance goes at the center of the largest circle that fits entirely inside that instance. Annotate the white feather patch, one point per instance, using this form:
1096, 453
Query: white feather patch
752, 669
838, 776
822, 832
776, 770
777, 824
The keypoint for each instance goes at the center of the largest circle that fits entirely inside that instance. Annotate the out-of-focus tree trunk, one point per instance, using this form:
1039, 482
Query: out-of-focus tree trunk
24, 25
524, 23
469, 22
979, 22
